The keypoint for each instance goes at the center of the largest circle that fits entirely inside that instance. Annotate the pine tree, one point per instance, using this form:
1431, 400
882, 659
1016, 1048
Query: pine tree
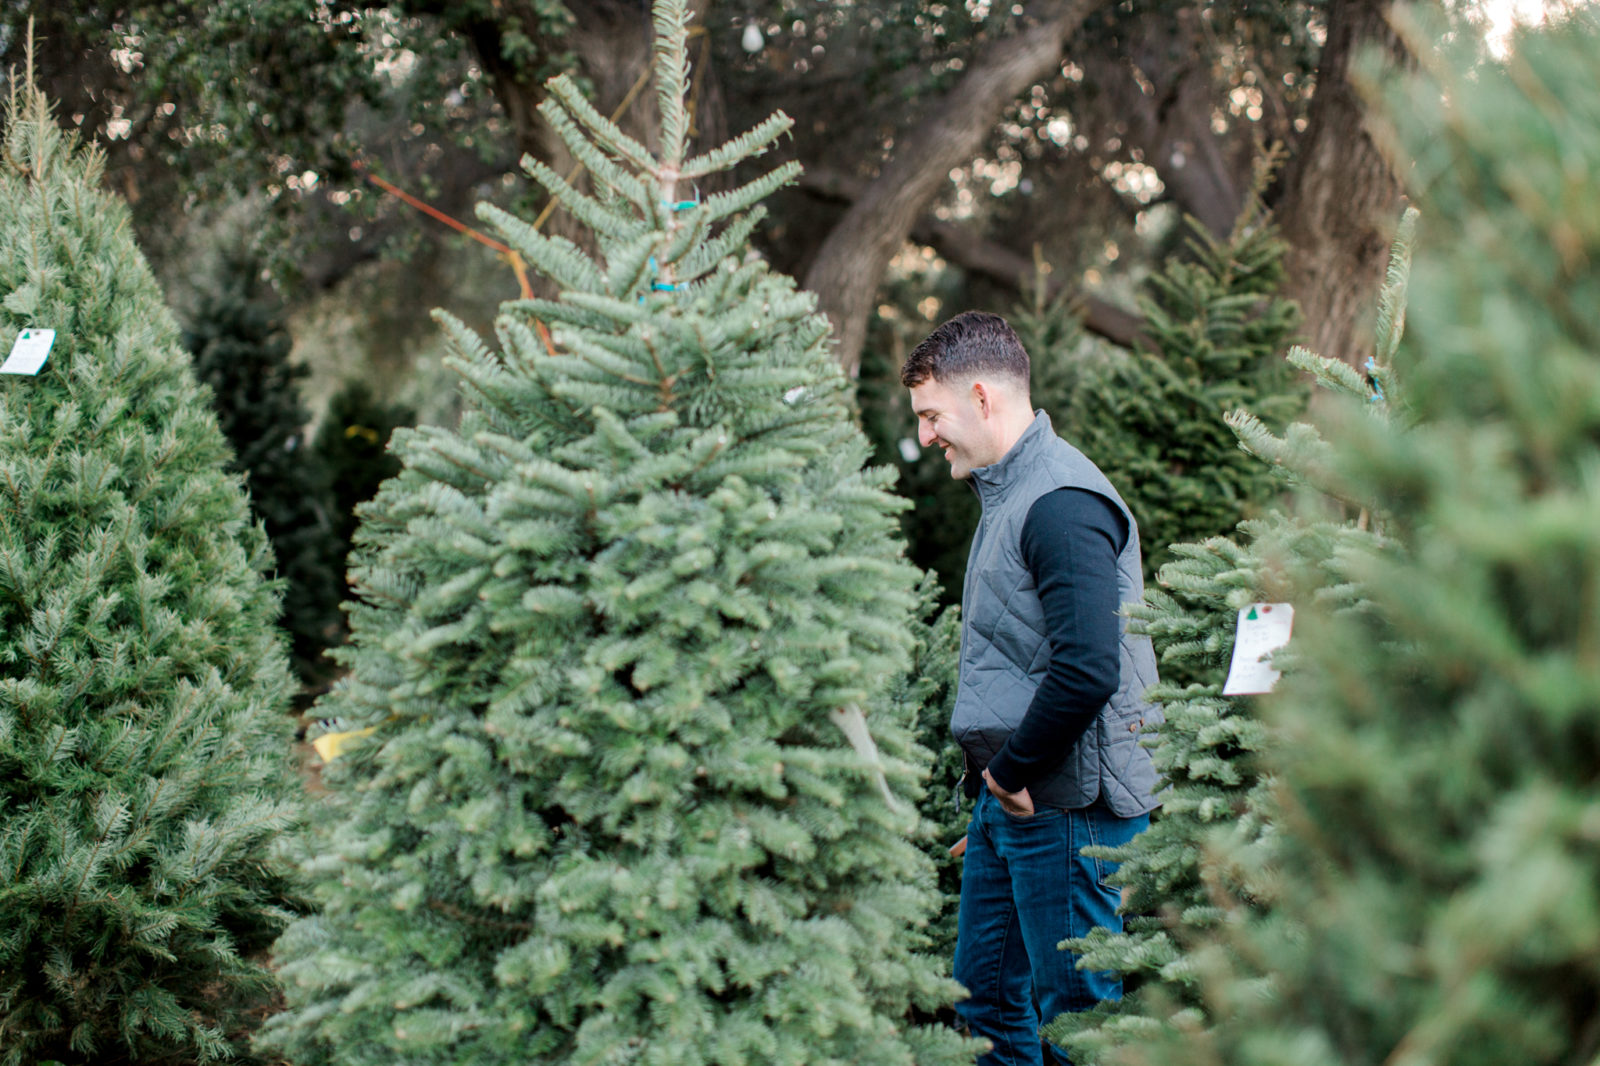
944, 808
351, 448
618, 643
144, 748
241, 351
1438, 866
1215, 328
1212, 750
1060, 352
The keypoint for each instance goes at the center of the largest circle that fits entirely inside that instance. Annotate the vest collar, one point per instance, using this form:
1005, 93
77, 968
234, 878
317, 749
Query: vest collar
990, 482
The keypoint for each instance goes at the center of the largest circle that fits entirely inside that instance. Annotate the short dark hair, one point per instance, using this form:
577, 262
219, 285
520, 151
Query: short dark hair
970, 344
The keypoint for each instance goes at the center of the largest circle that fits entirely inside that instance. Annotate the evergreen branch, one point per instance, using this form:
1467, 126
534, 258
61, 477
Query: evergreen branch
450, 910
734, 236
607, 174
723, 204
626, 267
671, 47
1391, 323
753, 143
585, 209
558, 257
1331, 374
606, 133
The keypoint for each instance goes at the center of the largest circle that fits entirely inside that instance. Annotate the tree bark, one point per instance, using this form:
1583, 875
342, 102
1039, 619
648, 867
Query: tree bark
977, 254
972, 251
1341, 199
1164, 92
850, 264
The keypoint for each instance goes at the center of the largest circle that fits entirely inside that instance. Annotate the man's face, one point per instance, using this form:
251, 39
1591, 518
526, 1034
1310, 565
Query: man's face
951, 416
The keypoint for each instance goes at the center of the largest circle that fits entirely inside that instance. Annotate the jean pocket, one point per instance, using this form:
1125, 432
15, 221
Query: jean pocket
1039, 814
1104, 869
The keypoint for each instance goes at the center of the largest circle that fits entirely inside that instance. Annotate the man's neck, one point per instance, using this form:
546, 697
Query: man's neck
1016, 424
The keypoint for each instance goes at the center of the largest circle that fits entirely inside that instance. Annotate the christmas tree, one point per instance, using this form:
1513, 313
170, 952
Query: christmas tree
241, 351
605, 787
945, 809
351, 448
1438, 866
1215, 329
1212, 749
1060, 351
144, 747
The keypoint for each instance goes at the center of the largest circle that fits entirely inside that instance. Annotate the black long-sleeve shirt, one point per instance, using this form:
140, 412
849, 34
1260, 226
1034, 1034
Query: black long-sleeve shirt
1070, 543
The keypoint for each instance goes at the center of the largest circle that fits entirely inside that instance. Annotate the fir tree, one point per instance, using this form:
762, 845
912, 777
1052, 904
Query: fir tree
352, 450
1438, 864
1212, 749
241, 351
144, 748
944, 808
618, 642
1215, 328
1060, 352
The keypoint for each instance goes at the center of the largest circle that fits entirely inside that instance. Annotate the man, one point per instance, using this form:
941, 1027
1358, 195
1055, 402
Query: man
1051, 696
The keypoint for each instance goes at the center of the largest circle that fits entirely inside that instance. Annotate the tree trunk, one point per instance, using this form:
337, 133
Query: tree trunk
968, 248
1341, 199
850, 264
1164, 93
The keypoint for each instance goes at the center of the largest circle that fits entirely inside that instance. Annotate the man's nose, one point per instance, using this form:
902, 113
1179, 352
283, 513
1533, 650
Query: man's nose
924, 434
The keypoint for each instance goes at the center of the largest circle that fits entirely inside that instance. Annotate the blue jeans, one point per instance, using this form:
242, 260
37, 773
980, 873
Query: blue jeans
1024, 889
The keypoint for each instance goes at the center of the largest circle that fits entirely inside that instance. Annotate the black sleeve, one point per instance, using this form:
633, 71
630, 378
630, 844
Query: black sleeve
1070, 543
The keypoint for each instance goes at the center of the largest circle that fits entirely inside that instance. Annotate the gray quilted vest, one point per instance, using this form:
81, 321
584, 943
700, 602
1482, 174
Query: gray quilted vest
1004, 653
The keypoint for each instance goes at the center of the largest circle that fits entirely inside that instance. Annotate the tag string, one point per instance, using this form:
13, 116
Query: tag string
1377, 387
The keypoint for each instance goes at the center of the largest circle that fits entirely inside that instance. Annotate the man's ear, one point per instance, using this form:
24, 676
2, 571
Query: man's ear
983, 398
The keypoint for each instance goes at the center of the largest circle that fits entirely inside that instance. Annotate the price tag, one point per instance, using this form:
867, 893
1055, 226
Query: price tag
29, 353
1263, 629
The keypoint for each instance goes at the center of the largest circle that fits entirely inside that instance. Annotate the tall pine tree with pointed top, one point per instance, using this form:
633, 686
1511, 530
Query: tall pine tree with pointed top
1215, 326
144, 747
635, 787
1213, 750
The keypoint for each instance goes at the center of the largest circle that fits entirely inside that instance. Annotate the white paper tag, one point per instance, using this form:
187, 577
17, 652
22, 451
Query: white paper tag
29, 353
1263, 629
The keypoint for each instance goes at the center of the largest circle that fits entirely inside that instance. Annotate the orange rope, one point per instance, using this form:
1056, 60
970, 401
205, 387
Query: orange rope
431, 211
509, 254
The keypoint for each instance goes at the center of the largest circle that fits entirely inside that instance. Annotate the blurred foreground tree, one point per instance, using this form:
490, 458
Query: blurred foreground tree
1213, 750
1438, 865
